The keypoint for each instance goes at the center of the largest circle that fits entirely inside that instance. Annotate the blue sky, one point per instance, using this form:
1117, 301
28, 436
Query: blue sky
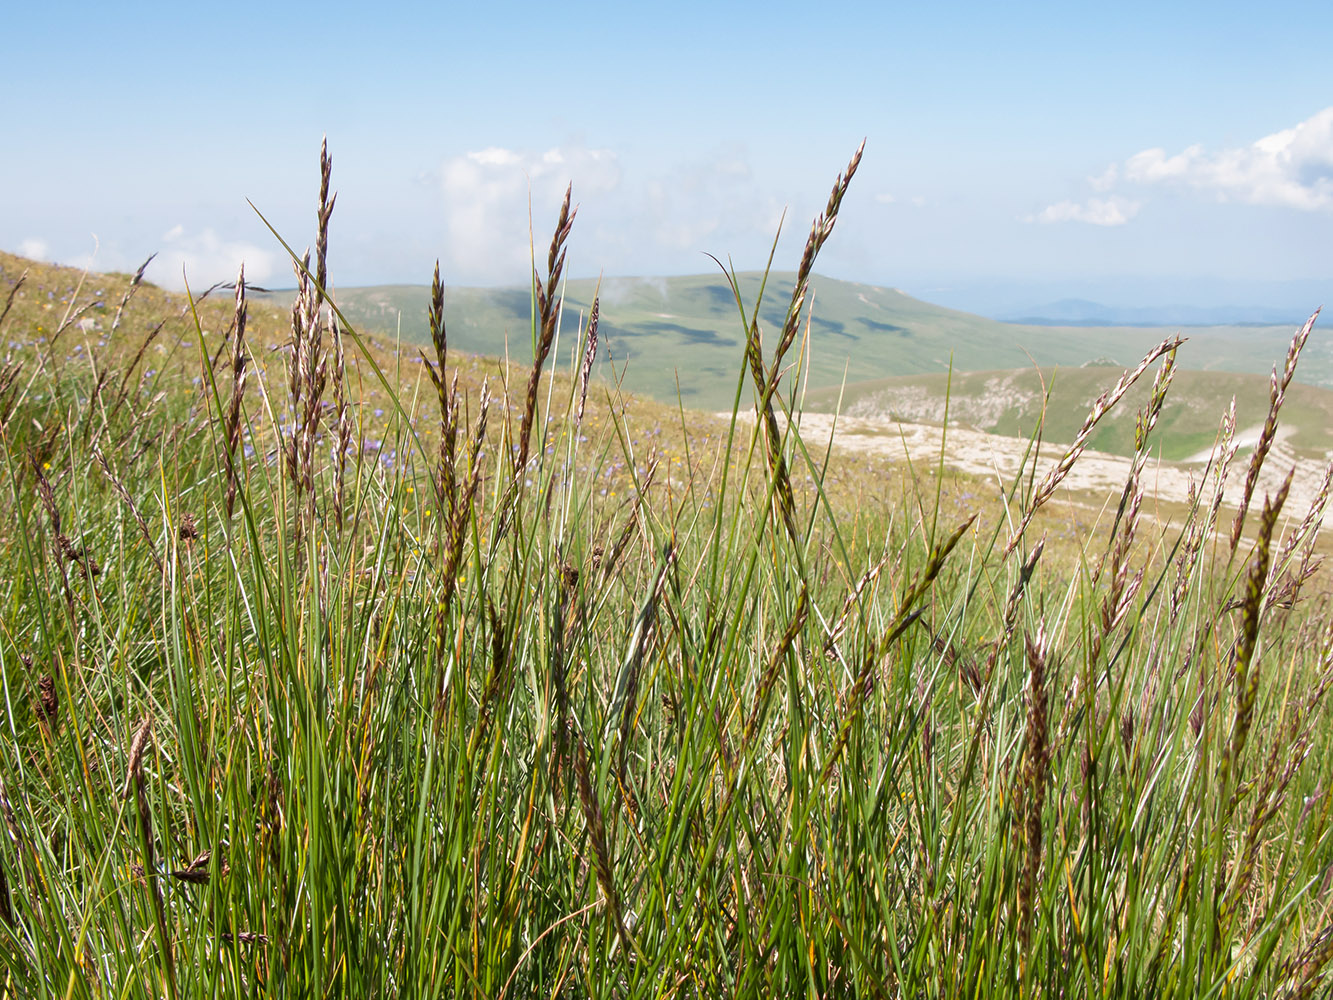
1131, 153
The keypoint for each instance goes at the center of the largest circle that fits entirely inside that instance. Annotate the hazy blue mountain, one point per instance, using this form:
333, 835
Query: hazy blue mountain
1081, 312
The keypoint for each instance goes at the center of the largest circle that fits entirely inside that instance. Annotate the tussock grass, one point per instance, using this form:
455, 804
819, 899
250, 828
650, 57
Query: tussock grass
290, 714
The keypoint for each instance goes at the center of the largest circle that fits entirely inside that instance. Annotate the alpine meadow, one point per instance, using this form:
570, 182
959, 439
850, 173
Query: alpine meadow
336, 665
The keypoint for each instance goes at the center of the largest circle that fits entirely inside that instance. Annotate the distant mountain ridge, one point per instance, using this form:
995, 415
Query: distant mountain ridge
1082, 312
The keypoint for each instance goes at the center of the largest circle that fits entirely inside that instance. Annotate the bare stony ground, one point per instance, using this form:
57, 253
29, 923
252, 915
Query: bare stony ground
1096, 477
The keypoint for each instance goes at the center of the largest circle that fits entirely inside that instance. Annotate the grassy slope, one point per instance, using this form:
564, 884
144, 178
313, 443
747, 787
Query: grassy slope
363, 774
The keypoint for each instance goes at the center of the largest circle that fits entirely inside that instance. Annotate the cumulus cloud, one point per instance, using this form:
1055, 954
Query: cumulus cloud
705, 204
1153, 165
618, 291
644, 215
631, 217
1106, 180
1113, 211
204, 258
486, 198
884, 198
1292, 168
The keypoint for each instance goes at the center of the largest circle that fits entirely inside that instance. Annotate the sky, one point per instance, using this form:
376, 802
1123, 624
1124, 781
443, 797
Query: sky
1137, 154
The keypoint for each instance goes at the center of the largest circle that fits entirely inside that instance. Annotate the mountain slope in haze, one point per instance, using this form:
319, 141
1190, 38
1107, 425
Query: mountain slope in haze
1081, 312
683, 337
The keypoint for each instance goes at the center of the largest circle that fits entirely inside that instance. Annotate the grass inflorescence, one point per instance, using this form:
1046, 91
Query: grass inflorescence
330, 676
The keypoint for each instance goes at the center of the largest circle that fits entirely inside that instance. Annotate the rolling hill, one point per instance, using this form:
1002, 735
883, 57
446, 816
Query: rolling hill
874, 352
682, 337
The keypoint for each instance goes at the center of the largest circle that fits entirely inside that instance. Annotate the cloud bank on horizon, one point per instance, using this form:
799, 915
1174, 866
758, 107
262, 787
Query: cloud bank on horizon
497, 204
493, 208
492, 204
1291, 169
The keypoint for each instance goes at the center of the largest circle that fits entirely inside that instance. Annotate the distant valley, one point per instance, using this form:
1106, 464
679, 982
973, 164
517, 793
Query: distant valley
878, 353
682, 337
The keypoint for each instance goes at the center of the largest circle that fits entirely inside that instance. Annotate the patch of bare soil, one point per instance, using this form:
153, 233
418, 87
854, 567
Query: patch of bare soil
1096, 475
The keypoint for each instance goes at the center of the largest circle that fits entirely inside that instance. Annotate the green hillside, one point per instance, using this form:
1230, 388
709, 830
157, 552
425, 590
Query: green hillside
683, 335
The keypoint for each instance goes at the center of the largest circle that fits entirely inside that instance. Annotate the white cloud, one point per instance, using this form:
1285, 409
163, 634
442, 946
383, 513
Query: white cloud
710, 204
1292, 168
1153, 165
205, 258
1106, 180
638, 215
494, 157
885, 198
617, 291
673, 227
1113, 211
732, 165
486, 198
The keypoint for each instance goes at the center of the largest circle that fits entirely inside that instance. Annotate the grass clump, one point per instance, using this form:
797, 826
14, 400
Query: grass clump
306, 699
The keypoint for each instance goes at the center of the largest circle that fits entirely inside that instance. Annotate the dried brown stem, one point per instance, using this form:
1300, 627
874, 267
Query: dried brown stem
342, 408
1246, 674
135, 282
1100, 407
13, 291
589, 357
1277, 393
231, 425
548, 315
766, 381
592, 816
128, 500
